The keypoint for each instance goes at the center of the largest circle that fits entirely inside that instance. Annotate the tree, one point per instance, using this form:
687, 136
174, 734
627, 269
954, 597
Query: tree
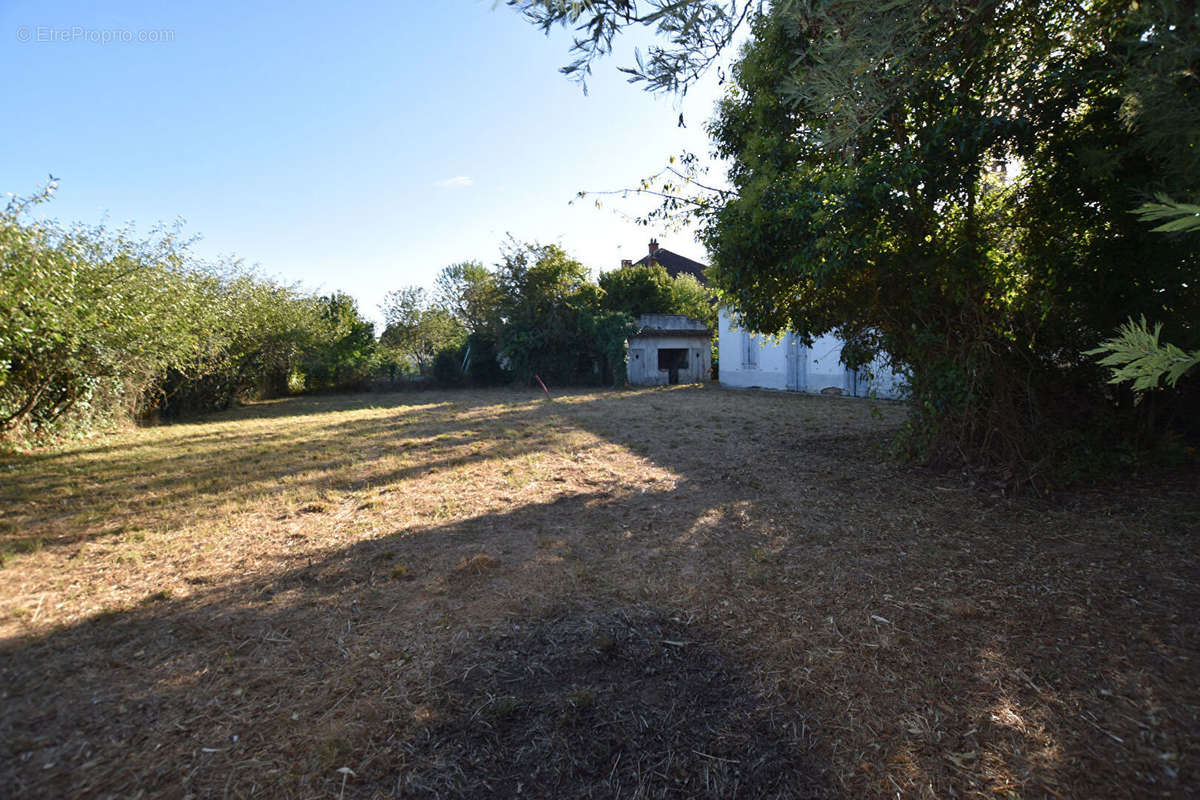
689, 297
470, 292
545, 296
949, 182
636, 289
418, 328
252, 334
606, 336
340, 354
697, 31
875, 199
97, 325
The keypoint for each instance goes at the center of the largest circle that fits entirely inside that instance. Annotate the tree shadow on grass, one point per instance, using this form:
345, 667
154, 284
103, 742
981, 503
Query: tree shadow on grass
567, 648
341, 445
931, 636
453, 676
604, 702
195, 474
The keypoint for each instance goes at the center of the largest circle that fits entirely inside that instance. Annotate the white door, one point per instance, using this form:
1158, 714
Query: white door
797, 364
637, 366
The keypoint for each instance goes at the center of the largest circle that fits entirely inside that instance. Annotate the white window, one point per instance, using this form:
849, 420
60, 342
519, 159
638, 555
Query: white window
749, 351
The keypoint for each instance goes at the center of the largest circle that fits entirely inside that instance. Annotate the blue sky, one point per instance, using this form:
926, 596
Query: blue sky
359, 146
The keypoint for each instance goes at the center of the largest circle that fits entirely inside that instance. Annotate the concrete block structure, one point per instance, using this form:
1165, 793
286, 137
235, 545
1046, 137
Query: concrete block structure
669, 349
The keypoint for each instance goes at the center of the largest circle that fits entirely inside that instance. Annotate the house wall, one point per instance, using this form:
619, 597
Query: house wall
642, 360
752, 360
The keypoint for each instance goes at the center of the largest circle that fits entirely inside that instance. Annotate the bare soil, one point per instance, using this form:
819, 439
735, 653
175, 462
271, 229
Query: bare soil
685, 592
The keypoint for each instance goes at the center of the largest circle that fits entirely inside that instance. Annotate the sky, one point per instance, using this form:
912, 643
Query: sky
357, 146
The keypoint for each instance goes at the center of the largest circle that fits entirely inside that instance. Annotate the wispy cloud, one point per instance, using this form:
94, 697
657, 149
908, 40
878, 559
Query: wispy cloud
457, 182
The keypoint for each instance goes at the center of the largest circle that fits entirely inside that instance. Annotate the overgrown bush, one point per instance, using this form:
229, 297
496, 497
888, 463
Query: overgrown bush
340, 354
98, 326
978, 228
483, 366
447, 369
954, 183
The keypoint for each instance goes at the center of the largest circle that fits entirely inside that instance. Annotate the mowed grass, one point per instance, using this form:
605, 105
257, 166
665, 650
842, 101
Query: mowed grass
673, 592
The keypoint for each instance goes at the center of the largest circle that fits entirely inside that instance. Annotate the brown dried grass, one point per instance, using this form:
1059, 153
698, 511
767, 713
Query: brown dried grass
681, 592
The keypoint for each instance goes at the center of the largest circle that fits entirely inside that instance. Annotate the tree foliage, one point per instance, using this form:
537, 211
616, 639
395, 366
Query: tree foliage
545, 295
340, 356
691, 35
636, 289
419, 328
470, 292
1137, 357
1172, 217
97, 325
539, 313
82, 313
951, 182
648, 289
689, 297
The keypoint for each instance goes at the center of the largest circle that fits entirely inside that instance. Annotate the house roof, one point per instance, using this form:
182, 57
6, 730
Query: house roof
681, 333
673, 263
671, 325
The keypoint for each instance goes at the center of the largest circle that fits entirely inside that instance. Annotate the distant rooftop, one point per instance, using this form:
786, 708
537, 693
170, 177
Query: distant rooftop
673, 263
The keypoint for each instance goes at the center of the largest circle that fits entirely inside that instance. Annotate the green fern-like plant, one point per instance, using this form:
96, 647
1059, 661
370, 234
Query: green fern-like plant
1135, 355
1175, 217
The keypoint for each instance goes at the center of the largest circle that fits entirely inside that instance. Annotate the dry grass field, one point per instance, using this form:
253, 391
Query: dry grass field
686, 592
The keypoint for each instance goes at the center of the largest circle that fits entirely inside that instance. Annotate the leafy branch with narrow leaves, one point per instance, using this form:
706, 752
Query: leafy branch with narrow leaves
1136, 356
1173, 217
695, 32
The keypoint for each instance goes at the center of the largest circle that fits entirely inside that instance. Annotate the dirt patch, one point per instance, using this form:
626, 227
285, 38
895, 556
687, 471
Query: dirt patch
476, 564
618, 703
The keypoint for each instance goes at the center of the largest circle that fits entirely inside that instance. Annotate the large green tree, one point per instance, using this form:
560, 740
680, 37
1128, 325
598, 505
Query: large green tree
470, 292
691, 298
637, 289
949, 181
419, 328
544, 294
339, 355
953, 182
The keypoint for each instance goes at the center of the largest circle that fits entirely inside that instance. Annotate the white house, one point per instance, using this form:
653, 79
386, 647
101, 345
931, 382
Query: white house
750, 359
747, 359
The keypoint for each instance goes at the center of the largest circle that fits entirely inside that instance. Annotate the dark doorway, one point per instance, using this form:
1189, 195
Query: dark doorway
671, 360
